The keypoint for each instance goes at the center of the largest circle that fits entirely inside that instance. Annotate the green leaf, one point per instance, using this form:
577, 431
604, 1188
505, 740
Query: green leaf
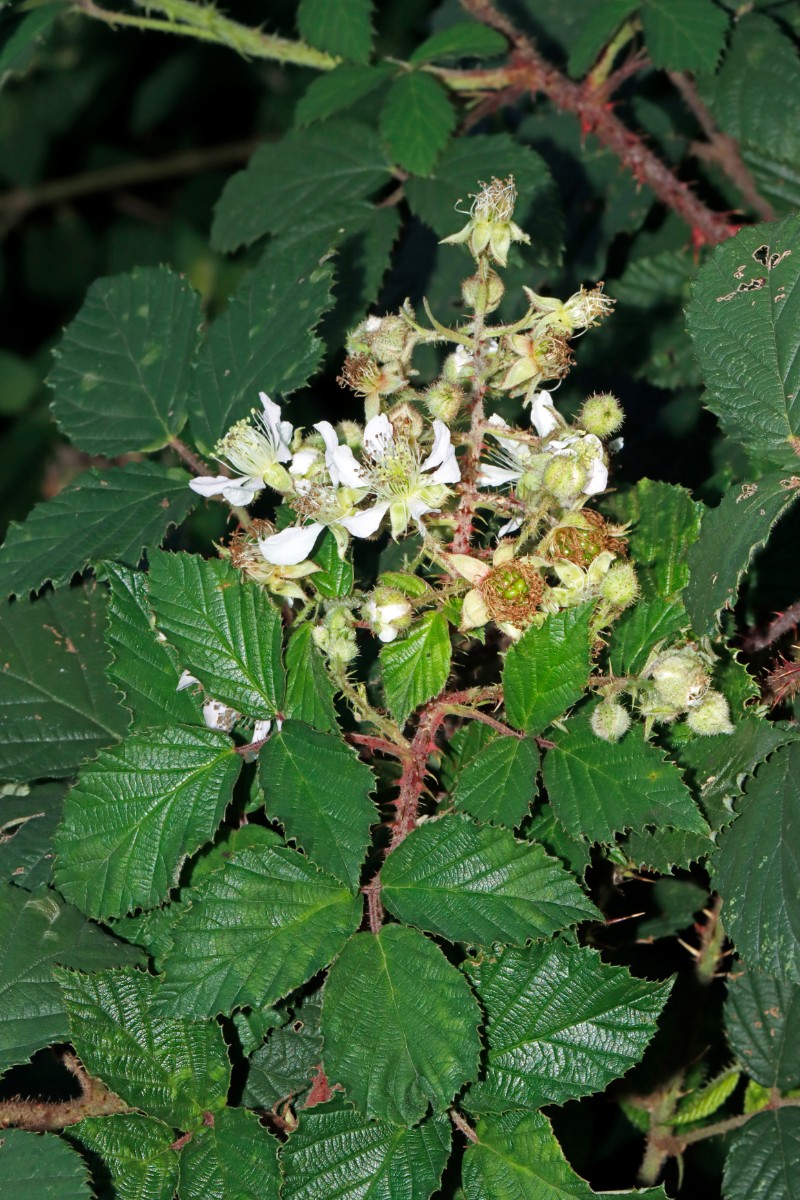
599, 26
57, 706
341, 27
336, 577
18, 49
319, 790
175, 1070
335, 1152
417, 119
135, 1150
123, 367
478, 884
283, 1067
141, 666
517, 1157
544, 828
666, 521
664, 850
416, 666
36, 932
336, 90
684, 35
499, 783
561, 1024
466, 39
638, 630
233, 1158
763, 1161
113, 514
265, 339
762, 906
256, 929
762, 1021
321, 176
457, 174
137, 813
33, 1167
730, 535
224, 628
28, 819
396, 990
309, 691
600, 788
743, 319
546, 670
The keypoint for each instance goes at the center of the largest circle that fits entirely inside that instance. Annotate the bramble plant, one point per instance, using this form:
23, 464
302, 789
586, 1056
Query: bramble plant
364, 763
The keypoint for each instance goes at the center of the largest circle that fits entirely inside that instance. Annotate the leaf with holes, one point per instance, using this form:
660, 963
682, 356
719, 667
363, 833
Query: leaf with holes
319, 790
416, 666
478, 884
114, 514
499, 783
376, 1159
255, 929
284, 1065
561, 1024
395, 989
224, 628
231, 1158
123, 367
546, 670
137, 1152
136, 814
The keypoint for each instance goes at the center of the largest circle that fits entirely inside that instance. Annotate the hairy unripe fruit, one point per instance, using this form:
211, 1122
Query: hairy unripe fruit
610, 721
620, 586
680, 678
710, 716
443, 400
391, 340
601, 415
564, 477
512, 592
483, 294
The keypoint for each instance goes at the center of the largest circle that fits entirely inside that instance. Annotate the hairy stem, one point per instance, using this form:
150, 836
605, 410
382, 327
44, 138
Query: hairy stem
41, 1116
783, 623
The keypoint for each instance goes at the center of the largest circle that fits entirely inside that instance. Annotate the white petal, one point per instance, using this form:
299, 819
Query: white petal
291, 545
215, 485
378, 436
261, 730
543, 415
347, 468
218, 716
302, 461
243, 492
615, 445
418, 508
510, 527
328, 435
391, 612
372, 324
186, 680
508, 444
449, 471
441, 446
597, 477
491, 476
388, 633
280, 431
365, 523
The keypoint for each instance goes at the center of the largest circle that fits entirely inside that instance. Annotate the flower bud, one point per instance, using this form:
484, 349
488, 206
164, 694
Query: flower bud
620, 586
483, 295
406, 421
336, 637
564, 478
443, 400
388, 611
710, 716
601, 415
610, 721
680, 678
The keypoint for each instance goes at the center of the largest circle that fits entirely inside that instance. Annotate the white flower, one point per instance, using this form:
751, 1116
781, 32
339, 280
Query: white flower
291, 545
588, 450
388, 612
303, 462
513, 458
343, 467
543, 415
256, 450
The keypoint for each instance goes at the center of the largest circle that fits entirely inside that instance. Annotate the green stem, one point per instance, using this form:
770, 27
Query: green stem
366, 712
727, 1126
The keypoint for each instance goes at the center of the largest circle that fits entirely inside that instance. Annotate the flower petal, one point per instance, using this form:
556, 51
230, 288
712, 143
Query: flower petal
280, 431
366, 522
597, 477
543, 415
218, 485
291, 545
491, 476
347, 468
378, 436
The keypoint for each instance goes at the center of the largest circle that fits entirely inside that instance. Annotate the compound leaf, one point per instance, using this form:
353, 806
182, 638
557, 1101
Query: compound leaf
478, 884
256, 929
309, 691
395, 989
319, 790
137, 813
561, 1024
123, 367
342, 27
415, 667
224, 628
546, 670
499, 783
114, 514
231, 1158
173, 1069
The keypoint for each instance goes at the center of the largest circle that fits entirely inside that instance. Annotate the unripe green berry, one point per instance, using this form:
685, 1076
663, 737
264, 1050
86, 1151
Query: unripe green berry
710, 716
444, 400
564, 477
391, 339
601, 415
483, 294
610, 721
620, 586
680, 678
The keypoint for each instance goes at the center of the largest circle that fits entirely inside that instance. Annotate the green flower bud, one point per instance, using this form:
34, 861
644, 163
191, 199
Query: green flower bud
710, 716
483, 295
620, 586
444, 400
610, 721
388, 612
564, 477
601, 415
680, 678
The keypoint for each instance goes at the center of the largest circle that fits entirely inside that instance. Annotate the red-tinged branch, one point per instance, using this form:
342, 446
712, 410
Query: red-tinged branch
42, 1116
528, 71
412, 780
784, 622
